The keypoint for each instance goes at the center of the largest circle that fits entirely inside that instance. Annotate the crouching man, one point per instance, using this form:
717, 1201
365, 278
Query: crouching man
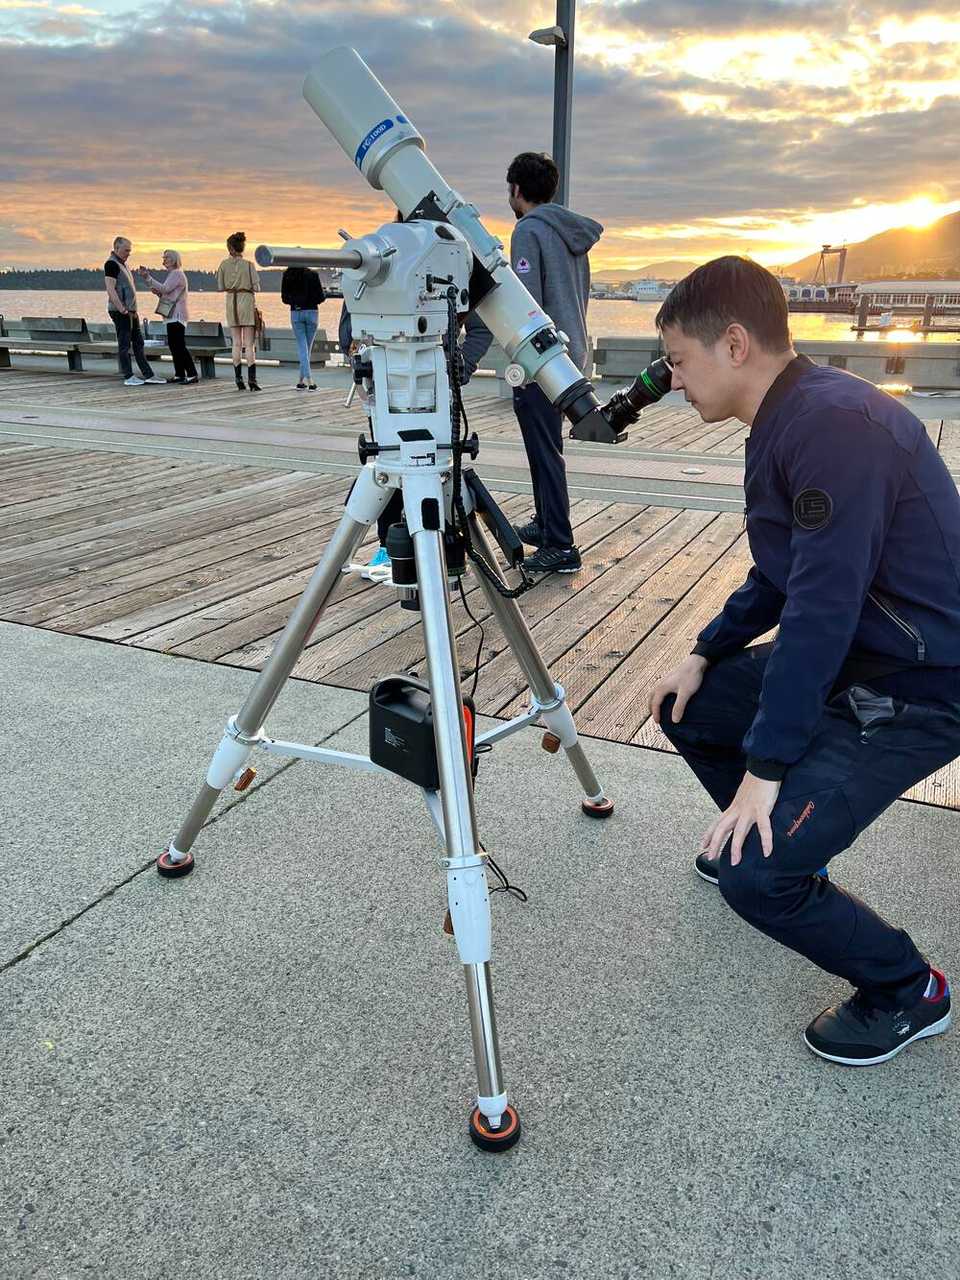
854, 529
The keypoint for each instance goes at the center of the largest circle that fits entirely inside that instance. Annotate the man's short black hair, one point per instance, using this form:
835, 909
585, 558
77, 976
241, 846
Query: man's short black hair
727, 291
536, 176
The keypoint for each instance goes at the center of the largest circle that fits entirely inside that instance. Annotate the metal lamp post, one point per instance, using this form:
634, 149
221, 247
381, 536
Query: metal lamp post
561, 37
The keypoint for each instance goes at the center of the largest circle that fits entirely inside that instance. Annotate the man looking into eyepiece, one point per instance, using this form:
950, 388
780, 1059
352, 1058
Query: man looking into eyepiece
854, 527
548, 251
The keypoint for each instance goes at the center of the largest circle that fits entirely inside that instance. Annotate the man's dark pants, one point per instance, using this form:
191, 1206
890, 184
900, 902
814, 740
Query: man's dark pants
542, 429
846, 779
128, 331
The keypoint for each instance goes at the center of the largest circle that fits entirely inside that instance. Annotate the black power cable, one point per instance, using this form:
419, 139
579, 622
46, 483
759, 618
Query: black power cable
457, 414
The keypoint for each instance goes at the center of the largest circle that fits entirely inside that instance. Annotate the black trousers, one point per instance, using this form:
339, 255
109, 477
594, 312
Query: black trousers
847, 778
183, 366
128, 333
541, 426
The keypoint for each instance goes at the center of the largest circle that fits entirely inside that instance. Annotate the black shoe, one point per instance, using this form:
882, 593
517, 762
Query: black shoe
180, 380
553, 560
252, 377
706, 870
858, 1034
194, 377
530, 533
238, 374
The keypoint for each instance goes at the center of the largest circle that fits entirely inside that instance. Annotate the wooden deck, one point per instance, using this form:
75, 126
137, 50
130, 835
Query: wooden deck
205, 561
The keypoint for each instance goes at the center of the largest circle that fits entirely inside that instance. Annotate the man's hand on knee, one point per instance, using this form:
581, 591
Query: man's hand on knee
751, 807
684, 681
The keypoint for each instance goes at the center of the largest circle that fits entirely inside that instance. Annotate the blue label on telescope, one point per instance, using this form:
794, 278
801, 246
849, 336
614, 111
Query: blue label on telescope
376, 132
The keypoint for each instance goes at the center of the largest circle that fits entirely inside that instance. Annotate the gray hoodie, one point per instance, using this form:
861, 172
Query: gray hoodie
548, 251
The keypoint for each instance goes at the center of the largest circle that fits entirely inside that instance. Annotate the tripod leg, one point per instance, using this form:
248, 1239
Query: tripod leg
547, 694
494, 1124
241, 733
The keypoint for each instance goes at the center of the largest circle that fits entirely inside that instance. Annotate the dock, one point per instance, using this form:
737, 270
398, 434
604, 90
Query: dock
187, 521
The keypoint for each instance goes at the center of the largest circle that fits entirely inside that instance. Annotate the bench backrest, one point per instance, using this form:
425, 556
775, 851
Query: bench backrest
57, 328
205, 333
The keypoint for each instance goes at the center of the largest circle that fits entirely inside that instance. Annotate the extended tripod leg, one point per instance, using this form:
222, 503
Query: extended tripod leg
365, 503
494, 1124
548, 695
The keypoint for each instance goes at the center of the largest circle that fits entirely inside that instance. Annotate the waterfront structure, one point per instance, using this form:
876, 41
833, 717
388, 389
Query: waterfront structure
910, 295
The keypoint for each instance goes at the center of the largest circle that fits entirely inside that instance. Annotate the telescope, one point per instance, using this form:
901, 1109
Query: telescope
388, 150
407, 285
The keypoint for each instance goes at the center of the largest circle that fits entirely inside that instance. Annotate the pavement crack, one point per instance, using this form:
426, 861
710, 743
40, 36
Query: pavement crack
151, 862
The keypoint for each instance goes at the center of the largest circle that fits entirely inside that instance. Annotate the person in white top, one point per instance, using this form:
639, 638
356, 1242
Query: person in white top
172, 292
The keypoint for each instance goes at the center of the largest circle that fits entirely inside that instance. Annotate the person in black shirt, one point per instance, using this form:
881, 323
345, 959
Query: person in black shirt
302, 291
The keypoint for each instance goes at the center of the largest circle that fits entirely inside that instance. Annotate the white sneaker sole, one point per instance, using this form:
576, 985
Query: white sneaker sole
934, 1029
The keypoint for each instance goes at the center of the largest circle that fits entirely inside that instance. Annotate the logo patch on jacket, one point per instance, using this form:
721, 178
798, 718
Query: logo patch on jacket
812, 509
523, 266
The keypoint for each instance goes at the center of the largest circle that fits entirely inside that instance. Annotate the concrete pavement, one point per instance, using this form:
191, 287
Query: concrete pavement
264, 1070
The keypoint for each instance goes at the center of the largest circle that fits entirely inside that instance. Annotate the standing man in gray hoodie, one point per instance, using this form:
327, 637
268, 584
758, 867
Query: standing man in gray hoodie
548, 251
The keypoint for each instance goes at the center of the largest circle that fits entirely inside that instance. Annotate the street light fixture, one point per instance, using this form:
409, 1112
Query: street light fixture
561, 37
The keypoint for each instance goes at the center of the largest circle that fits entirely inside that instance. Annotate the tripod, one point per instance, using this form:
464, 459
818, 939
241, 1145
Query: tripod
417, 453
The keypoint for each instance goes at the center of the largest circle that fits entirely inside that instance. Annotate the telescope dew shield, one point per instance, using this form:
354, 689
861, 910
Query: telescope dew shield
389, 152
371, 128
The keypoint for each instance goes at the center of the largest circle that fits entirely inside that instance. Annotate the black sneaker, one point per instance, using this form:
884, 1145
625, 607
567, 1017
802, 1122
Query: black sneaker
858, 1034
706, 869
553, 560
530, 533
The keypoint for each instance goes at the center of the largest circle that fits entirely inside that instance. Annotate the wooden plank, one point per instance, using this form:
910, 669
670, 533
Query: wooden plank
654, 636
235, 499
655, 537
50, 606
353, 660
120, 546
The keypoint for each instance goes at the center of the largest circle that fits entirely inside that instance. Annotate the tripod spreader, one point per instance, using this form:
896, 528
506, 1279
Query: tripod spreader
370, 449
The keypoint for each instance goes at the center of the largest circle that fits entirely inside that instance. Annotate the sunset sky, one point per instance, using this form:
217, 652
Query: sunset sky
700, 126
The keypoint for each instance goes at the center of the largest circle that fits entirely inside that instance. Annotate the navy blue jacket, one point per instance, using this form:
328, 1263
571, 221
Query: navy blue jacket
854, 528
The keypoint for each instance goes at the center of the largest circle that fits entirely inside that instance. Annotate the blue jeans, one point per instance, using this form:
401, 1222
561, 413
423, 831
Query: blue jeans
304, 325
847, 778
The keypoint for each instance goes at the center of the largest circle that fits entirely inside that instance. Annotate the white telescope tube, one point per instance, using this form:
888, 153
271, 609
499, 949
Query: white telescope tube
389, 152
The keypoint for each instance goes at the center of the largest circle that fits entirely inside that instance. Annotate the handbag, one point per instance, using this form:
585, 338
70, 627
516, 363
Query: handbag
258, 325
165, 307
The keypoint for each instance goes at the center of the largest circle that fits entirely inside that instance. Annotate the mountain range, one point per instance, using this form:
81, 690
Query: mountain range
915, 252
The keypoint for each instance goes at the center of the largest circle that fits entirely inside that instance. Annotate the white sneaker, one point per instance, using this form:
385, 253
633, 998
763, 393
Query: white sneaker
133, 382
158, 382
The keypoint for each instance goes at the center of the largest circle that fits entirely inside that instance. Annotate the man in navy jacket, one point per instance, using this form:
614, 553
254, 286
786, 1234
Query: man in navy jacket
854, 528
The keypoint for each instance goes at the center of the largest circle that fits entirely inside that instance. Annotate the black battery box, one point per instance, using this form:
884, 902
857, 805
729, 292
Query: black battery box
401, 730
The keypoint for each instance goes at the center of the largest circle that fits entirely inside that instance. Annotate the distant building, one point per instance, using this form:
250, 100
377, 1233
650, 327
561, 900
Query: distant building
910, 295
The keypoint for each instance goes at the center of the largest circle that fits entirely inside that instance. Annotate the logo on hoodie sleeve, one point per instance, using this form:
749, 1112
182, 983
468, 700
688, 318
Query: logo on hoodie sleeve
523, 266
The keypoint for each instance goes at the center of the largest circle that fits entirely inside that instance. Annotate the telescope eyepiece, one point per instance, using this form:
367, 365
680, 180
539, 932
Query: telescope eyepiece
624, 408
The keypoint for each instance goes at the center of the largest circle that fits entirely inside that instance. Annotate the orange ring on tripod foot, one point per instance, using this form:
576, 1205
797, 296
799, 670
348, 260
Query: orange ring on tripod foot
174, 870
501, 1139
597, 808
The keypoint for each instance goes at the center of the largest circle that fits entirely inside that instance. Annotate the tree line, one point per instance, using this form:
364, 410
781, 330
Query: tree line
89, 278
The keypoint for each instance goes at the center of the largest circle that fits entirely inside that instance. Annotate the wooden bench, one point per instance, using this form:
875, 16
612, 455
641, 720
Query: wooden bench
55, 334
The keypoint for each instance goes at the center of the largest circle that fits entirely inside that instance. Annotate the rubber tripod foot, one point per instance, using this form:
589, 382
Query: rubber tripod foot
174, 870
488, 1139
597, 808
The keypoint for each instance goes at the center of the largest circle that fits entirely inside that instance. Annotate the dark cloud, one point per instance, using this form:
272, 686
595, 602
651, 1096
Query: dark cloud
198, 107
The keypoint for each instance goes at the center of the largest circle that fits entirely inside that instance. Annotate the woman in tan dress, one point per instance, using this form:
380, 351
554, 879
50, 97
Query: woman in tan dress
238, 279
